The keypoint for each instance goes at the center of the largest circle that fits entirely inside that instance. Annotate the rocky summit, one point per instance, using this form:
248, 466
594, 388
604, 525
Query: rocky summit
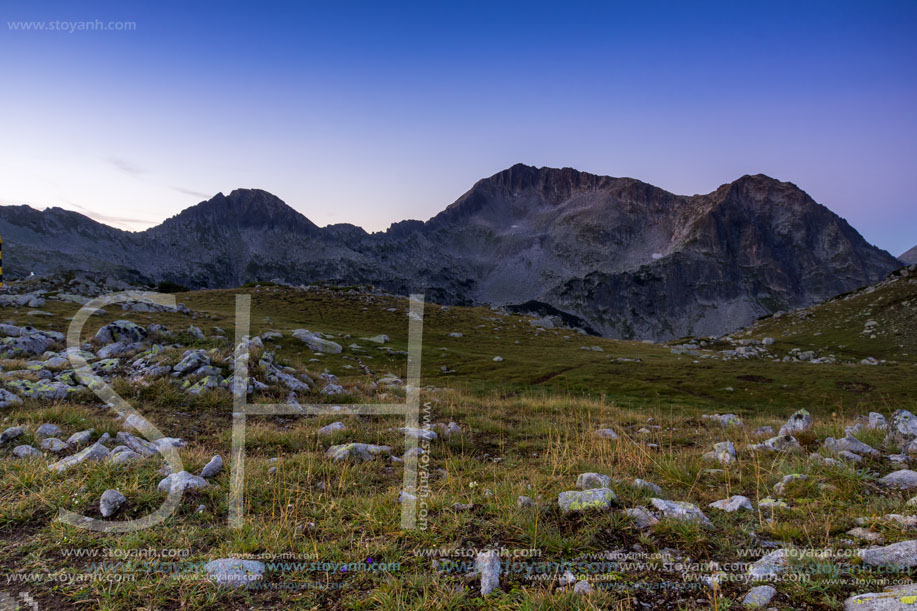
617, 256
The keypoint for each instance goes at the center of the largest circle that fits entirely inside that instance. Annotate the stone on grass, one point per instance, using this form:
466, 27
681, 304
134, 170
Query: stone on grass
901, 597
525, 501
11, 433
81, 438
121, 331
848, 455
53, 444
48, 430
110, 502
799, 422
903, 479
781, 486
181, 481
418, 433
724, 420
487, 565
902, 555
213, 467
641, 516
606, 434
316, 343
769, 566
332, 428
850, 444
780, 443
763, 430
581, 500
234, 572
877, 421
589, 481
681, 511
864, 534
724, 452
650, 486
26, 451
759, 596
582, 587
733, 503
8, 399
356, 451
94, 452
902, 430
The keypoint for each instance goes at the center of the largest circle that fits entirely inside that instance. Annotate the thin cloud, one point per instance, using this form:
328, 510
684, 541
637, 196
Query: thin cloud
126, 166
121, 222
190, 192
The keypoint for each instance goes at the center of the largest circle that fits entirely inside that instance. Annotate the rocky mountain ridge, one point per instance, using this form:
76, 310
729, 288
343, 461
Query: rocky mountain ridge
630, 259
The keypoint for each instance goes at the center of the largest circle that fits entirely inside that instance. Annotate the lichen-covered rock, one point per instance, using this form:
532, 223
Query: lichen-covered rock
8, 399
901, 597
759, 597
850, 444
42, 389
11, 433
54, 445
769, 566
642, 518
903, 479
192, 360
212, 468
724, 420
649, 486
181, 481
332, 428
780, 443
26, 451
902, 555
581, 500
902, 430
799, 422
48, 430
732, 504
110, 502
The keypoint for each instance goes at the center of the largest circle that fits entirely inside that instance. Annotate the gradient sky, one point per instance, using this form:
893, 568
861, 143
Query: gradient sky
373, 113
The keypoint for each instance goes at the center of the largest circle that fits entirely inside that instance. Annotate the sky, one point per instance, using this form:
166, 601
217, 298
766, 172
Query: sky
370, 113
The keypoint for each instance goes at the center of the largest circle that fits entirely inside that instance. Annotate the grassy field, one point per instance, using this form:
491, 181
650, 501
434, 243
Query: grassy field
528, 427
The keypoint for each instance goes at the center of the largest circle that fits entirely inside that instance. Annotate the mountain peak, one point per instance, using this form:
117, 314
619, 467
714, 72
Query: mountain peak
909, 257
250, 208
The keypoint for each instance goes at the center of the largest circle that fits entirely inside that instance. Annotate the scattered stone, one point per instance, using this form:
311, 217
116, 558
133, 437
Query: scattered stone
498, 359
213, 467
759, 596
26, 451
181, 481
418, 433
864, 534
772, 504
233, 572
11, 433
894, 598
903, 479
724, 420
582, 587
332, 428
94, 452
902, 430
643, 519
848, 455
589, 481
781, 486
850, 444
316, 343
53, 444
8, 399
799, 422
897, 555
81, 438
645, 485
877, 422
487, 565
606, 434
121, 331
356, 451
48, 430
680, 510
576, 500
769, 566
110, 502
724, 452
447, 430
780, 443
733, 503
763, 430
525, 501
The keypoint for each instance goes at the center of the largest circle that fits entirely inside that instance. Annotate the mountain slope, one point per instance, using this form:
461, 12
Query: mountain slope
632, 260
910, 257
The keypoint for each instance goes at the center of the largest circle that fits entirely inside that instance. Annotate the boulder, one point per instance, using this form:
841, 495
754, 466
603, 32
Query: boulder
121, 331
110, 502
580, 500
799, 422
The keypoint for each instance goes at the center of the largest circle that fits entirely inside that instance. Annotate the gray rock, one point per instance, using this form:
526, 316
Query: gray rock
799, 422
724, 452
138, 445
903, 479
487, 565
864, 534
589, 481
525, 501
333, 389
123, 454
582, 587
195, 332
53, 444
763, 430
418, 433
733, 503
606, 433
447, 430
769, 566
332, 428
81, 438
316, 343
233, 572
759, 596
182, 481
8, 399
192, 360
894, 598
118, 349
110, 502
121, 331
356, 451
581, 500
377, 339
48, 430
25, 451
643, 519
680, 510
902, 430
877, 421
724, 420
213, 467
850, 444
645, 485
901, 555
781, 487
780, 443
11, 433
848, 455
94, 452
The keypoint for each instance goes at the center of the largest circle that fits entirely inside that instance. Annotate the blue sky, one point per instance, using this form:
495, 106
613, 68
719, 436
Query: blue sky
372, 113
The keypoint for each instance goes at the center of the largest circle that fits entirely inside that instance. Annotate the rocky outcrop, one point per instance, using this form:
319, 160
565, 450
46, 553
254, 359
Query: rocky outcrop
622, 257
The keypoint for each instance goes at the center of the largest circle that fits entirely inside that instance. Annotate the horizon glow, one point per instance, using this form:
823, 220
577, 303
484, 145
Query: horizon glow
373, 114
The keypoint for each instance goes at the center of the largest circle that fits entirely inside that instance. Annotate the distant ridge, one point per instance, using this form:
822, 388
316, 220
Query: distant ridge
910, 257
629, 259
